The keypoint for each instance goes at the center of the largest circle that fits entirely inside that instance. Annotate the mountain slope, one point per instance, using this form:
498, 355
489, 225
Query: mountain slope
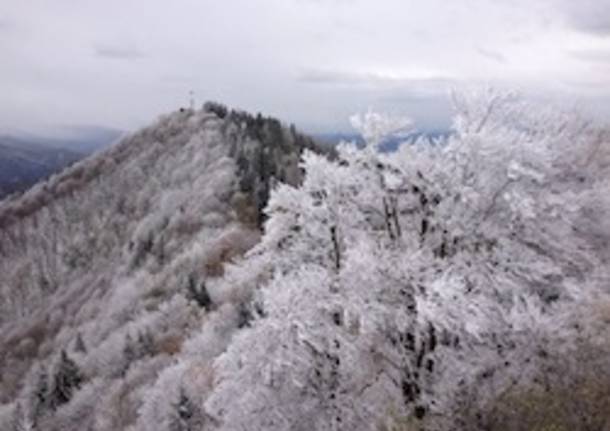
117, 248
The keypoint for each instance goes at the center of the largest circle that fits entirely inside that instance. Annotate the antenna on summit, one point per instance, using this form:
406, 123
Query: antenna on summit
192, 99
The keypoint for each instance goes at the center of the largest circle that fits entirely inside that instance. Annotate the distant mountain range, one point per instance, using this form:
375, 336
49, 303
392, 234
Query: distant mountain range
26, 159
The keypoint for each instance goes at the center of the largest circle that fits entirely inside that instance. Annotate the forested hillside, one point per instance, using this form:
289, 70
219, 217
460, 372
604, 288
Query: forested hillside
216, 271
105, 265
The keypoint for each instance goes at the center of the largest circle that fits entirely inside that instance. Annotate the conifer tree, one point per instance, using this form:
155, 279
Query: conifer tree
145, 345
129, 353
198, 293
79, 344
21, 421
39, 401
183, 415
66, 381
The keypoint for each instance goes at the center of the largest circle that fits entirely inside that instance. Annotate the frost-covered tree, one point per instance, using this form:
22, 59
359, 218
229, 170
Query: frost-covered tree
390, 282
21, 421
135, 349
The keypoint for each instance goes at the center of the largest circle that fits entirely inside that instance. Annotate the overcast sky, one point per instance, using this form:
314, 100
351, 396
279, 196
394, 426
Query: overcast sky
120, 63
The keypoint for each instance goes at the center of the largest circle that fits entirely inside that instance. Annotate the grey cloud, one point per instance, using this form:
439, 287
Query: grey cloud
592, 55
338, 77
177, 78
319, 76
588, 16
599, 25
118, 52
4, 23
492, 55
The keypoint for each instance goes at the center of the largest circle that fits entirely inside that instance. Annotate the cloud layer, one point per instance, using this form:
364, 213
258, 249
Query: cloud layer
118, 52
312, 62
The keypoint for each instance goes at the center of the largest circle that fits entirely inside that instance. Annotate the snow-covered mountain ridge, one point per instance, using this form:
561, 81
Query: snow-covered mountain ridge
460, 285
91, 251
